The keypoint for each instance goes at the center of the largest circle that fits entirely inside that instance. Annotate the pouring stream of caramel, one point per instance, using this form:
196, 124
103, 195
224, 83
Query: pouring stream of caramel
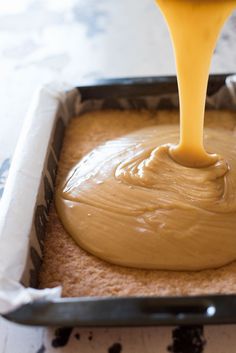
194, 27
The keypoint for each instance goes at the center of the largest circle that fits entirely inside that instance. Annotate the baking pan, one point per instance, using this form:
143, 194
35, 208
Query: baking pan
130, 311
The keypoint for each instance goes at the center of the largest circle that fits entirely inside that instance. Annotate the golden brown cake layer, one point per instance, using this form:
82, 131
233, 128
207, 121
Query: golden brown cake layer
82, 274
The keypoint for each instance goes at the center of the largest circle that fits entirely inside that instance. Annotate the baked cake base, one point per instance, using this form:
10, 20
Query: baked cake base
82, 274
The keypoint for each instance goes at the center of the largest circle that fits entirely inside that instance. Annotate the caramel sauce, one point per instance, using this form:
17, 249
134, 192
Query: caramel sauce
151, 199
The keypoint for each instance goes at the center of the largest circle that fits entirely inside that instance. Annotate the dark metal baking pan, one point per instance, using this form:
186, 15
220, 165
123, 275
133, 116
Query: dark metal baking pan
132, 311
142, 86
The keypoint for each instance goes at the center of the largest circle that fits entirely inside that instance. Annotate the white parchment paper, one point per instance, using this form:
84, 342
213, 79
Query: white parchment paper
19, 198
